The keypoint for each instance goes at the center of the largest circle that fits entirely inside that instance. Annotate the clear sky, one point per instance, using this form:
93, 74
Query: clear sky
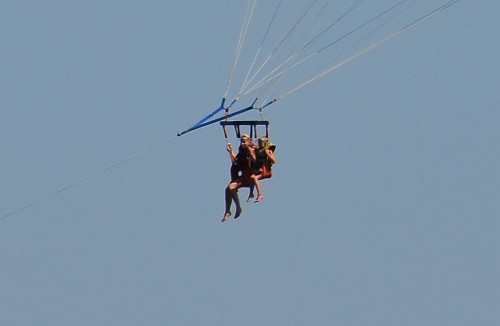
383, 208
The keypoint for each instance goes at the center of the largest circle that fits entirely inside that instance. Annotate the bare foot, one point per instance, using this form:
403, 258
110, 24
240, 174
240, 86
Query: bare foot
226, 216
259, 198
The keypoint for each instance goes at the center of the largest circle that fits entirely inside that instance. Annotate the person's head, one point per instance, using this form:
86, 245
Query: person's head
263, 142
244, 138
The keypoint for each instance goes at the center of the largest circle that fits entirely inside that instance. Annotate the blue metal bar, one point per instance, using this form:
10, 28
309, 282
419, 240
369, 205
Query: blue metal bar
220, 108
204, 124
269, 103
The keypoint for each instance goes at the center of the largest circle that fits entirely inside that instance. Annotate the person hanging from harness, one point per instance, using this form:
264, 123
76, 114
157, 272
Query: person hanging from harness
241, 174
262, 167
241, 167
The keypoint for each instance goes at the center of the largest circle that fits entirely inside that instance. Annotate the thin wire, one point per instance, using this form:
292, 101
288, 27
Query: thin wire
271, 80
241, 40
342, 16
284, 40
371, 47
91, 176
260, 48
297, 58
283, 68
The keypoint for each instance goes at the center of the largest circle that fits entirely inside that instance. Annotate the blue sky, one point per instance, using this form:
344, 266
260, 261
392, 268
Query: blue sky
383, 207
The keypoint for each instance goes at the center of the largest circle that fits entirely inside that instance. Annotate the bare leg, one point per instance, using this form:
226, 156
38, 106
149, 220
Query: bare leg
250, 194
236, 199
231, 195
229, 199
260, 195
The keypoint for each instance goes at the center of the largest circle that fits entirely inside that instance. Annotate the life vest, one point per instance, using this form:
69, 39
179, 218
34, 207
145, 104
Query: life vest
260, 158
262, 164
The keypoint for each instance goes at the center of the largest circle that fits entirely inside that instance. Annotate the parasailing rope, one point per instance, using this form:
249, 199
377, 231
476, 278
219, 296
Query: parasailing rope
82, 180
278, 72
241, 41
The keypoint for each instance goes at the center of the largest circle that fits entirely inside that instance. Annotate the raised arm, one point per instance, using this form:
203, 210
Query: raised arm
270, 156
230, 150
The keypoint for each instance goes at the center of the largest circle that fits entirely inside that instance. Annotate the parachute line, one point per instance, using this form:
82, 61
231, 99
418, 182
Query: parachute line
281, 44
296, 59
371, 47
260, 48
310, 38
241, 39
